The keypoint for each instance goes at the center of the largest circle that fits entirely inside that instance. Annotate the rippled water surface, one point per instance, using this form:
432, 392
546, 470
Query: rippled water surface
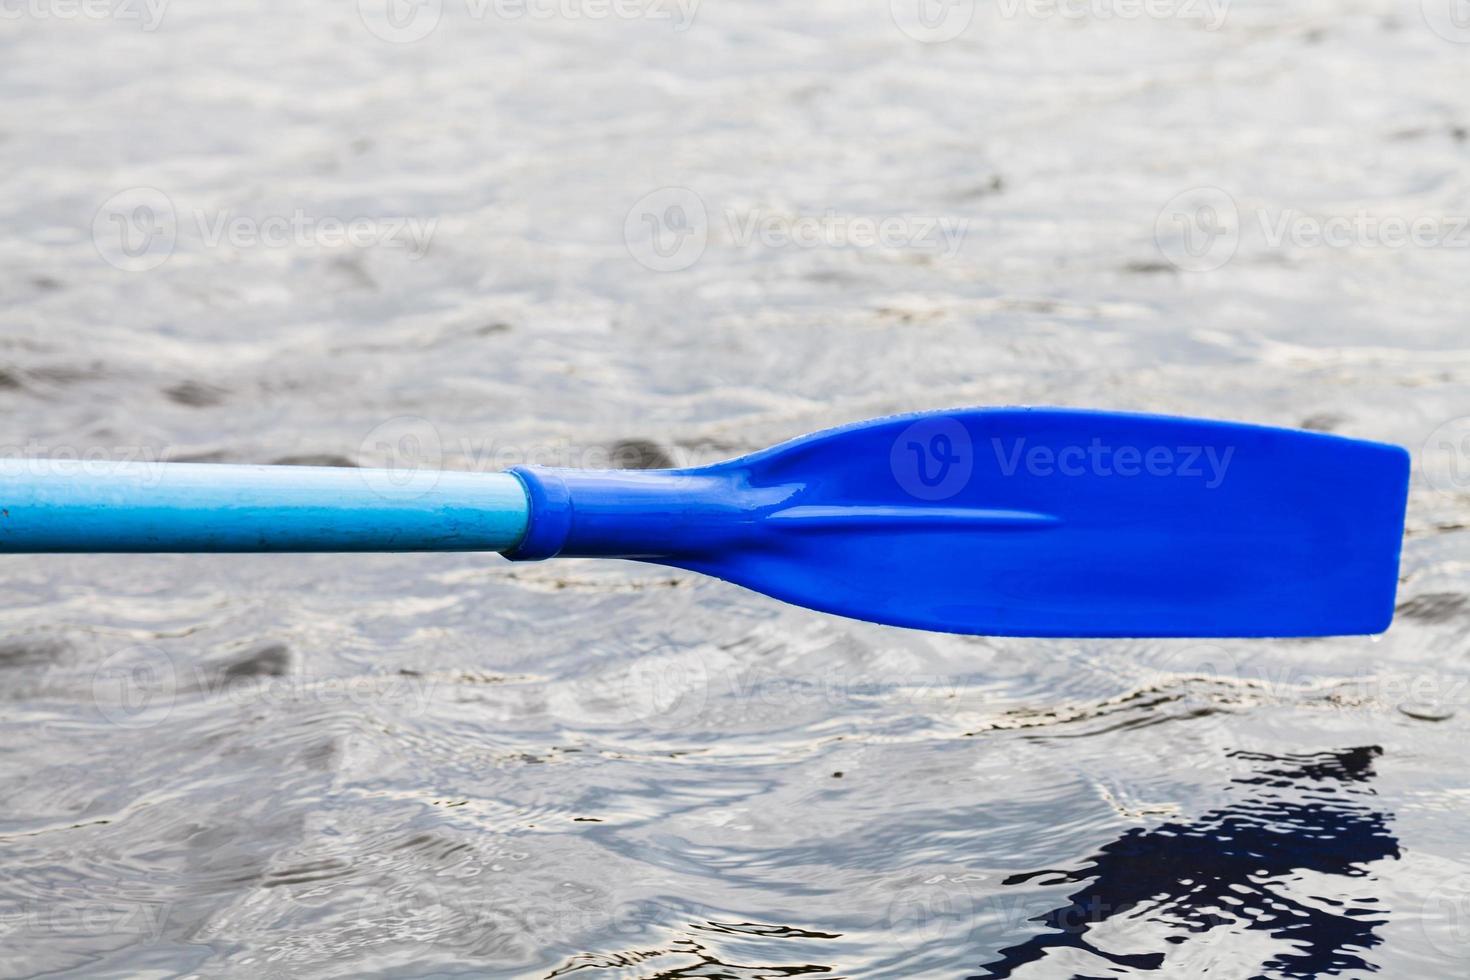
447, 765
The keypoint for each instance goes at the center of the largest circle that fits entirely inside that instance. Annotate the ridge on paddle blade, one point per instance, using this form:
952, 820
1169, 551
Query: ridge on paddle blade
1028, 522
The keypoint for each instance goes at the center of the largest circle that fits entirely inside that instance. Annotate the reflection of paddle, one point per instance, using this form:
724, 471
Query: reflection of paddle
1027, 522
1233, 869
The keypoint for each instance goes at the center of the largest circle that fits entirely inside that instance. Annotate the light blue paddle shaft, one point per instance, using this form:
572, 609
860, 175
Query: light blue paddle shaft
78, 506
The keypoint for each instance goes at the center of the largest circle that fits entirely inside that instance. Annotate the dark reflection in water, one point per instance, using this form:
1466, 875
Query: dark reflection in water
1233, 868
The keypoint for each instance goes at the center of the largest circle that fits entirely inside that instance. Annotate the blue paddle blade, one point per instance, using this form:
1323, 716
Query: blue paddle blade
1021, 522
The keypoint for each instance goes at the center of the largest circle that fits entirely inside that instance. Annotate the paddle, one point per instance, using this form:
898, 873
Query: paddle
1009, 521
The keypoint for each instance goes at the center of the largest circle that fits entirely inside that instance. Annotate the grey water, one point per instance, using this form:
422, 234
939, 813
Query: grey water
472, 235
